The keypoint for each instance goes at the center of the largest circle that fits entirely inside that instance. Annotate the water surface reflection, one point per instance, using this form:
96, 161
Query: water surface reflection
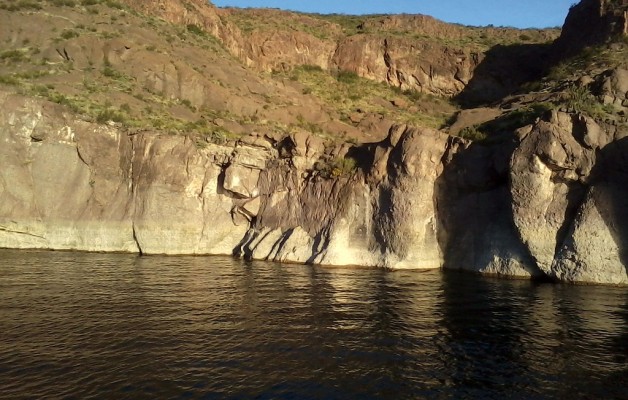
121, 326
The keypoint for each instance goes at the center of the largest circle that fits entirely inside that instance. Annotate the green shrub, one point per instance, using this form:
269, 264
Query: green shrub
110, 72
27, 4
343, 166
64, 3
218, 135
336, 167
109, 114
40, 90
9, 80
12, 55
188, 104
472, 133
309, 68
506, 124
519, 117
347, 77
114, 4
195, 30
90, 85
580, 100
69, 34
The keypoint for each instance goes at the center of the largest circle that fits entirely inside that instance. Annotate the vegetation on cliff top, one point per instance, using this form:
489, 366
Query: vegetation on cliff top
178, 79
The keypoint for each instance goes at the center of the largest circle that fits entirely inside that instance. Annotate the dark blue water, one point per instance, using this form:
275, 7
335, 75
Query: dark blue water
119, 326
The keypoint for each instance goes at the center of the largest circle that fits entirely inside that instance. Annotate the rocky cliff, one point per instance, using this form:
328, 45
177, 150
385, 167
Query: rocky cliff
410, 52
553, 204
534, 187
592, 22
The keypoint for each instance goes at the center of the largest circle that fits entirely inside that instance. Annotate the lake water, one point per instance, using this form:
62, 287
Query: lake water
76, 325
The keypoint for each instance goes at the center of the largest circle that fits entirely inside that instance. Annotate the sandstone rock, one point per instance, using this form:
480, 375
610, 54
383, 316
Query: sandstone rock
596, 249
545, 176
405, 220
474, 217
404, 63
596, 246
300, 139
295, 246
613, 88
356, 117
280, 50
54, 199
252, 206
241, 181
191, 12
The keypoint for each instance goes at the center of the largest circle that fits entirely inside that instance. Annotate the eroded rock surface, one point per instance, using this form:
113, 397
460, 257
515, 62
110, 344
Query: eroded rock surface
550, 203
560, 194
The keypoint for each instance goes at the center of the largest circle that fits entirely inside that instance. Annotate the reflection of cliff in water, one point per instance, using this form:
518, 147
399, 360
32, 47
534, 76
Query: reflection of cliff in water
525, 333
218, 327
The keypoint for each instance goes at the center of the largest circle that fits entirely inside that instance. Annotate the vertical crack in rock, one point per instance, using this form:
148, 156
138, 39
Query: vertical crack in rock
137, 242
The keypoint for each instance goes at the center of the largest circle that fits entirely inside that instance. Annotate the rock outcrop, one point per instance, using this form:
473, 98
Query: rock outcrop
551, 204
592, 22
199, 13
547, 200
410, 52
554, 188
426, 67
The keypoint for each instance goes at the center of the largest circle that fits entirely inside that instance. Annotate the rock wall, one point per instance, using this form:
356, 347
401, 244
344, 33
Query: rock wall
411, 52
568, 180
423, 66
549, 204
591, 22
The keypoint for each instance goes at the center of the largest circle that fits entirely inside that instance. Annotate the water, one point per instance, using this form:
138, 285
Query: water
120, 326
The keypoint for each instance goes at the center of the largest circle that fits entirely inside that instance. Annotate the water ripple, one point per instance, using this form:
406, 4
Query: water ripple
119, 326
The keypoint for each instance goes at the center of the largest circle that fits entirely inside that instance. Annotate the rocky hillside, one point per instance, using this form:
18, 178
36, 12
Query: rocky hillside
394, 141
409, 52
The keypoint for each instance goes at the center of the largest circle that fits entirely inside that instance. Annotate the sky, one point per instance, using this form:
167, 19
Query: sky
517, 13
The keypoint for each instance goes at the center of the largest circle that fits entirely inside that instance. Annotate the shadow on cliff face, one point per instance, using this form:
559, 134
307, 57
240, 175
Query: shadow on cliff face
574, 198
503, 70
474, 214
610, 185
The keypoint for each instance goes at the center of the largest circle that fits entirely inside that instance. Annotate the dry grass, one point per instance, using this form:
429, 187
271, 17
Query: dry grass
346, 92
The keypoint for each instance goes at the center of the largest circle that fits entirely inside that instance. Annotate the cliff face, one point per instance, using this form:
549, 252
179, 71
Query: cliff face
414, 52
552, 204
592, 22
209, 157
199, 13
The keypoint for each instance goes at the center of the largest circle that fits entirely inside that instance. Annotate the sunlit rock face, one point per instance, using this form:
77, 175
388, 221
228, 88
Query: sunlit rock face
551, 204
547, 200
